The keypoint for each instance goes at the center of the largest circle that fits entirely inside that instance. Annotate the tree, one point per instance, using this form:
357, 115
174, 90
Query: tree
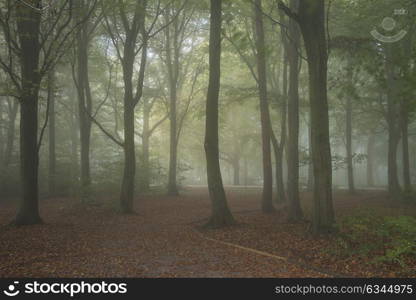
392, 117
348, 133
267, 203
52, 132
133, 26
28, 30
147, 132
293, 45
311, 18
220, 215
83, 38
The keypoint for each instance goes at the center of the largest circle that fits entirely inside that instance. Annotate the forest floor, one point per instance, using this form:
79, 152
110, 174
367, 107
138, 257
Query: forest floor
164, 239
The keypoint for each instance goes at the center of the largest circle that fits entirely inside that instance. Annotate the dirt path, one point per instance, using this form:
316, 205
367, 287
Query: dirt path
161, 241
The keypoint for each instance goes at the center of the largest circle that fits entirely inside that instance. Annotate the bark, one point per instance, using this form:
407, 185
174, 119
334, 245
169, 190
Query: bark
127, 186
245, 171
129, 169
9, 136
220, 215
145, 146
370, 160
130, 101
28, 29
404, 124
74, 121
236, 172
13, 108
173, 53
52, 137
348, 137
311, 18
393, 125
267, 201
310, 165
295, 211
279, 147
173, 150
84, 102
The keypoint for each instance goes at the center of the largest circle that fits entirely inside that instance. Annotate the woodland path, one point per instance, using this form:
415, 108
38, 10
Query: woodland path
162, 240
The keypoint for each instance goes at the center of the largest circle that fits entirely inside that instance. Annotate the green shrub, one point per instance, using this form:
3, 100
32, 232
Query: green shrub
379, 238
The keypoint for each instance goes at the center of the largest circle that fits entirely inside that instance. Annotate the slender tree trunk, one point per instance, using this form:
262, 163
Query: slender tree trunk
74, 142
393, 126
9, 135
84, 103
312, 22
145, 146
131, 99
370, 160
236, 173
245, 171
280, 186
280, 178
279, 148
28, 29
172, 62
348, 137
173, 149
13, 108
267, 197
129, 171
405, 147
295, 210
127, 186
220, 215
51, 124
310, 165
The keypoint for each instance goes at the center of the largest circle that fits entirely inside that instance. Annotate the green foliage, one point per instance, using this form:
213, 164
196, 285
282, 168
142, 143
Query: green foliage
383, 239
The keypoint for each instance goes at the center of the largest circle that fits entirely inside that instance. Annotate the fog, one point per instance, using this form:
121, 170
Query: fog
299, 108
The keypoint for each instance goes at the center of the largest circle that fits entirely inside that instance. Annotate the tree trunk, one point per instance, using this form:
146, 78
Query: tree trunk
51, 124
129, 171
173, 149
295, 210
310, 165
245, 171
278, 153
127, 186
10, 134
393, 126
28, 29
74, 142
84, 103
221, 215
405, 147
370, 160
131, 99
172, 62
145, 146
312, 23
267, 201
348, 137
236, 174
